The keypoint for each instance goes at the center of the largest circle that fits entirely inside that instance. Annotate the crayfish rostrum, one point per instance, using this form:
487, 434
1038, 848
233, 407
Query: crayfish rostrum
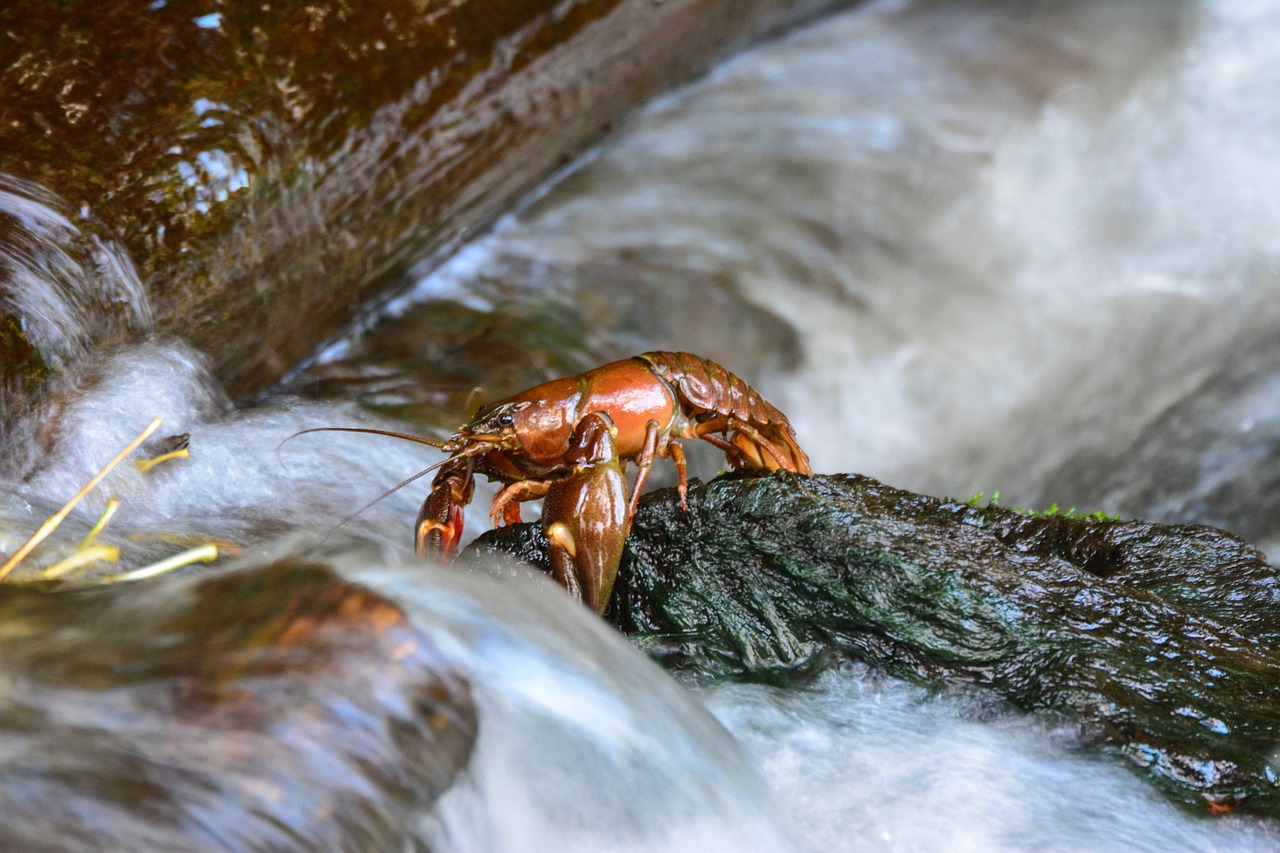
567, 440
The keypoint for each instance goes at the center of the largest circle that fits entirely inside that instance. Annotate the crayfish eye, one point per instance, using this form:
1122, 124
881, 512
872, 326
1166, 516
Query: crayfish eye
505, 419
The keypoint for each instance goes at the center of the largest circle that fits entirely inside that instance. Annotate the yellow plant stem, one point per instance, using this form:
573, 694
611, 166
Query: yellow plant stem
57, 518
204, 554
145, 465
102, 522
81, 558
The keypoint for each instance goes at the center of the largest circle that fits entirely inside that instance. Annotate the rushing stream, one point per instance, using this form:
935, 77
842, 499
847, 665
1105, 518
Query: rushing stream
964, 246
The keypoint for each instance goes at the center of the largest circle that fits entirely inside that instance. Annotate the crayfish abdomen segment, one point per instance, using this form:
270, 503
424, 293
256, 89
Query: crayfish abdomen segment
722, 402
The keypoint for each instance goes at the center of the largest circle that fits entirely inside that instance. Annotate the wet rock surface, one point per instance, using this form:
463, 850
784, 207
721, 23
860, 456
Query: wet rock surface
1176, 467
1158, 642
275, 708
270, 170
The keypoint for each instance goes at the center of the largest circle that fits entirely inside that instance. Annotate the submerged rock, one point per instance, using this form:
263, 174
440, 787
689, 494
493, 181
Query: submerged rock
1157, 641
275, 708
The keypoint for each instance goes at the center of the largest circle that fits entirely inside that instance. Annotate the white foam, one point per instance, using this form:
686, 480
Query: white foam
68, 286
234, 485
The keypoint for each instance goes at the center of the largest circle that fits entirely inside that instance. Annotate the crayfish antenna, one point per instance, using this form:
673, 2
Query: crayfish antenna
475, 450
388, 493
416, 439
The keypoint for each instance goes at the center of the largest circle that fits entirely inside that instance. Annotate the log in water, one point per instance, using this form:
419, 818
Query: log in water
269, 170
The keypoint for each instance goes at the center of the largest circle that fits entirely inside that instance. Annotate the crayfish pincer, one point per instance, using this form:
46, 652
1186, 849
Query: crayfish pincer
568, 439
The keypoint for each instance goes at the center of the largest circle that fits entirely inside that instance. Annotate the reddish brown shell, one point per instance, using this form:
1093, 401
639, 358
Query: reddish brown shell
708, 391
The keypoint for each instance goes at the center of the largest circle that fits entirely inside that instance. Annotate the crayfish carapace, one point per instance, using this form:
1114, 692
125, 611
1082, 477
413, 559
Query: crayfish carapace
568, 439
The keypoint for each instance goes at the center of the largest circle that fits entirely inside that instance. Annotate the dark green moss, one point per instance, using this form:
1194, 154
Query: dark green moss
23, 367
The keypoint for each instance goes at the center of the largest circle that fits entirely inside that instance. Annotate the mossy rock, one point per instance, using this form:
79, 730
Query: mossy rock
1158, 641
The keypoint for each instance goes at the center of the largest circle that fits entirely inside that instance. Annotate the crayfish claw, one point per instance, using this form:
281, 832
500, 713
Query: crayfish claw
438, 529
437, 539
560, 536
564, 551
585, 515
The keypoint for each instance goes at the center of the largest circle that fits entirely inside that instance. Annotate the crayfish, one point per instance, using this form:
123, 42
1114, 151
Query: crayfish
567, 441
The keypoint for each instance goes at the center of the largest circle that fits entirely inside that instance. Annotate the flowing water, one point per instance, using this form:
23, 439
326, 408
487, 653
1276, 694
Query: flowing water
965, 246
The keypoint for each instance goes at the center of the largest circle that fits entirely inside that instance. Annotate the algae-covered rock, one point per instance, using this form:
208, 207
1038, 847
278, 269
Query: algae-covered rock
277, 708
1158, 641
